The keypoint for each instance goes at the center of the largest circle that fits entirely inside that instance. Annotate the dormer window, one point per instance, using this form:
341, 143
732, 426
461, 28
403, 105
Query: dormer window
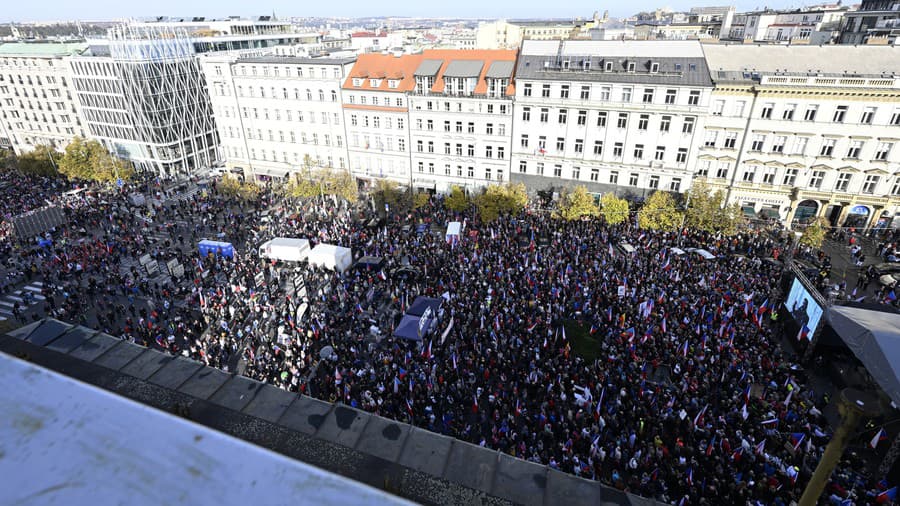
630, 66
393, 83
357, 81
654, 67
608, 66
374, 83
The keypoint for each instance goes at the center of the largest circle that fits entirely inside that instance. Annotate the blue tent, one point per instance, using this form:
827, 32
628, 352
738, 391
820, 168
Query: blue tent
413, 328
224, 249
421, 304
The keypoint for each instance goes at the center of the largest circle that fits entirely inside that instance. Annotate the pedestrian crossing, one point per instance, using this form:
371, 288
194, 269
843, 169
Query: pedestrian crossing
30, 291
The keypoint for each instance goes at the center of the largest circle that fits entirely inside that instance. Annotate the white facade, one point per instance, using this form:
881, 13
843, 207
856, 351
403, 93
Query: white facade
803, 26
378, 143
615, 116
273, 112
37, 103
797, 145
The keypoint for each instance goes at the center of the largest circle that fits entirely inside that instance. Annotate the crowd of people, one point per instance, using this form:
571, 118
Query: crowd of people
655, 371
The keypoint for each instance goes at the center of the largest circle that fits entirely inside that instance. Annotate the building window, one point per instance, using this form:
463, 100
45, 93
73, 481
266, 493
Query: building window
459, 150
839, 114
614, 177
800, 144
694, 98
654, 182
681, 156
560, 144
896, 189
730, 140
626, 95
870, 183
633, 179
722, 170
539, 169
660, 153
542, 144
895, 118
810, 114
563, 116
446, 148
526, 89
488, 152
827, 147
564, 91
768, 175
704, 168
670, 96
598, 148
788, 113
471, 171
557, 171
711, 137
501, 152
526, 114
778, 145
759, 140
718, 107
585, 92
643, 121
401, 145
489, 129
421, 166
675, 185
545, 115
638, 151
595, 175
767, 111
523, 167
420, 146
749, 174
524, 141
576, 172
648, 96
579, 145
604, 93
471, 127
815, 181
601, 118
867, 116
855, 149
843, 182
790, 177
622, 122
884, 149
471, 150
664, 123
582, 118
618, 148
545, 91
487, 173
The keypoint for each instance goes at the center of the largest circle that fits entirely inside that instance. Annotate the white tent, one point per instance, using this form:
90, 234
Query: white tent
336, 258
453, 230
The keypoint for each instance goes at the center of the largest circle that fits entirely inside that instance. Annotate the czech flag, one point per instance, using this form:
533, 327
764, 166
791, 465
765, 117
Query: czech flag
804, 333
880, 436
888, 495
797, 438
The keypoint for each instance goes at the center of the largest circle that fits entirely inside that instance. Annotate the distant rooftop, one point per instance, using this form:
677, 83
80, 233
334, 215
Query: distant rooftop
42, 49
830, 60
297, 60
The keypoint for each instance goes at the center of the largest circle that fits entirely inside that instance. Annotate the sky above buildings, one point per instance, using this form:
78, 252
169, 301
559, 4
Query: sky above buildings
46, 10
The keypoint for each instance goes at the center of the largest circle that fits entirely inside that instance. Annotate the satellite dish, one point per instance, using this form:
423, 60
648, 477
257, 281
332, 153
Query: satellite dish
327, 353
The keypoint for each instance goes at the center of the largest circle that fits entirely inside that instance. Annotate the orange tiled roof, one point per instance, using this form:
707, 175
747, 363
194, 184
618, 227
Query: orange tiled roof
384, 67
387, 66
488, 56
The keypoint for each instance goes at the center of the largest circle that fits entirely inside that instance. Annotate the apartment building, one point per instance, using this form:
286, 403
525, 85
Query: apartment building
37, 105
810, 25
278, 114
142, 92
875, 22
614, 116
460, 118
796, 132
376, 115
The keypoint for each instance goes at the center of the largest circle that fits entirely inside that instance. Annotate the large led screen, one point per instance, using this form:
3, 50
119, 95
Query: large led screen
804, 309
